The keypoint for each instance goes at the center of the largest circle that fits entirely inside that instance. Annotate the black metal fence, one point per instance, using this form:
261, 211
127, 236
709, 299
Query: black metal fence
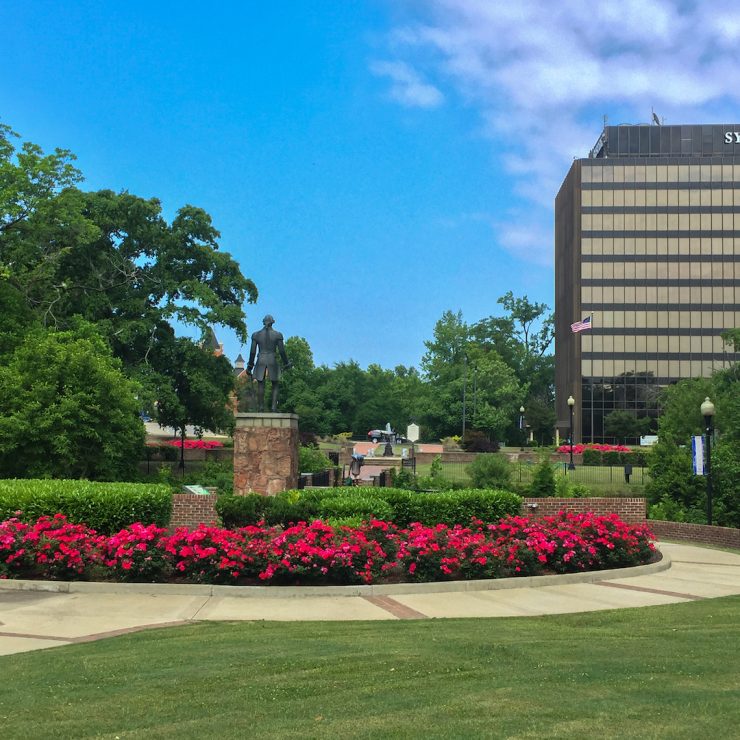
523, 472
614, 476
588, 474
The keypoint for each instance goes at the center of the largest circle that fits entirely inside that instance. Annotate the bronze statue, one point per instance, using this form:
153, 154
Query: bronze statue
269, 342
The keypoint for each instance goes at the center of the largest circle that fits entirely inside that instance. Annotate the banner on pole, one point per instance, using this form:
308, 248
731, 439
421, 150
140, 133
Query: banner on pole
697, 454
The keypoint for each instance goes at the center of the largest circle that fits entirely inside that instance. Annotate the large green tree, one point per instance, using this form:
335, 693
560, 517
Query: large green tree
113, 260
444, 367
523, 337
299, 392
672, 485
466, 374
67, 410
194, 388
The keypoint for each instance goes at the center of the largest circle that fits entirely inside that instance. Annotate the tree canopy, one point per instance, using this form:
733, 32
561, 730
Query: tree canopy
71, 258
67, 410
489, 368
673, 487
113, 260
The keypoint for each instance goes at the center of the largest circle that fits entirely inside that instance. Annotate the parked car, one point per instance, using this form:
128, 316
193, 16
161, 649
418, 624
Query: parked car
385, 435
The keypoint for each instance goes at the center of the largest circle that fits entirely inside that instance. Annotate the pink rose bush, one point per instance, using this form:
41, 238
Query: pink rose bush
195, 444
320, 553
136, 553
579, 449
50, 548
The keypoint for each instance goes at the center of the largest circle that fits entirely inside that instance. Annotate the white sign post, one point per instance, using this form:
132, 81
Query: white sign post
412, 435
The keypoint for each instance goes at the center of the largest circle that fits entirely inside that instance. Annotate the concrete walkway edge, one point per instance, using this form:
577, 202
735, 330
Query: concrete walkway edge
282, 592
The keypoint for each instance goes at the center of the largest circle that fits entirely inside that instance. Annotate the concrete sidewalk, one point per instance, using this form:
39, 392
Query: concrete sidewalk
47, 616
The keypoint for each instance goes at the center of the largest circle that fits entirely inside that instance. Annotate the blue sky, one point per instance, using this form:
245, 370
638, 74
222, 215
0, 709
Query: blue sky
370, 164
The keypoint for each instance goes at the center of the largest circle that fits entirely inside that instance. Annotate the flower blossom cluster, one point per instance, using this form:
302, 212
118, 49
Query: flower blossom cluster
195, 444
578, 449
320, 553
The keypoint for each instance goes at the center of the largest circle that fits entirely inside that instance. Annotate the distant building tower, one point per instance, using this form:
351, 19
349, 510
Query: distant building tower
210, 342
647, 241
239, 366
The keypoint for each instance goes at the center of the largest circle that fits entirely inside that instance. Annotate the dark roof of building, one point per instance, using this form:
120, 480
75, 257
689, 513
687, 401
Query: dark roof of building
209, 340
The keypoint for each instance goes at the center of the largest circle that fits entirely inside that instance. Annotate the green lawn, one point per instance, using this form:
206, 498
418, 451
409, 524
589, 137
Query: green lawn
659, 672
602, 481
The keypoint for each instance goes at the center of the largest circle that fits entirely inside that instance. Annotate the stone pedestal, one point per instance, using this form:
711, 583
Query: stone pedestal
265, 453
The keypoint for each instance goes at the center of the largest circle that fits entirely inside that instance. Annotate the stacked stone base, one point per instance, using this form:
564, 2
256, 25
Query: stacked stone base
265, 453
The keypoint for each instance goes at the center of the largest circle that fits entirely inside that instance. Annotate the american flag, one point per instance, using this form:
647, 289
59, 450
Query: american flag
581, 325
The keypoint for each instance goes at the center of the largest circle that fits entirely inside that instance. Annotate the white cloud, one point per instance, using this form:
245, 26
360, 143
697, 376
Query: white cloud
541, 74
407, 87
530, 241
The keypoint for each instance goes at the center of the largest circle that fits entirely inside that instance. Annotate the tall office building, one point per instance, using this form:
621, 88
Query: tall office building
647, 240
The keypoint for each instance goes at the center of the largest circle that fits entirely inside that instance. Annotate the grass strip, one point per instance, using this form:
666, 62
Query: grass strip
661, 672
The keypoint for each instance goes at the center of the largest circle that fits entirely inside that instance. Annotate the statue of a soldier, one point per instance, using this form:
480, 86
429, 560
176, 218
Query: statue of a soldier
270, 343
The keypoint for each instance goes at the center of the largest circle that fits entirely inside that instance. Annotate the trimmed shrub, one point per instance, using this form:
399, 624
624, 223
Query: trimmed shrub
447, 507
105, 507
489, 471
563, 488
456, 507
239, 511
476, 441
363, 507
579, 490
543, 481
638, 458
591, 456
312, 460
611, 457
403, 479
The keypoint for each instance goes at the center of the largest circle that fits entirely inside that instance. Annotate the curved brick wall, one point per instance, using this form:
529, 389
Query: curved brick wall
700, 533
632, 510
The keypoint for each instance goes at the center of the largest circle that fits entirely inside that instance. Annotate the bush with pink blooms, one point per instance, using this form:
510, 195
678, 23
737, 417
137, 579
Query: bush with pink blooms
320, 553
195, 444
51, 547
136, 553
579, 449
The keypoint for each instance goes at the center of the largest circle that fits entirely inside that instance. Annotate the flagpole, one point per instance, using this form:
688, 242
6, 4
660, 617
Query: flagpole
592, 381
577, 327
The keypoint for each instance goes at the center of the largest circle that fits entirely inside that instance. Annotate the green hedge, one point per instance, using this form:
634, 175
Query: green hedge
636, 458
106, 507
591, 456
391, 504
611, 457
368, 507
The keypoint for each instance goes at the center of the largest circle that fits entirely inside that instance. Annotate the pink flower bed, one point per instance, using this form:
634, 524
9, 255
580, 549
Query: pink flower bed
195, 444
579, 448
319, 553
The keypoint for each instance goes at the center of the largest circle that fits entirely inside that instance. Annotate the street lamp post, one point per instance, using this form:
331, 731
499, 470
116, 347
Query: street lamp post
521, 423
465, 383
707, 411
571, 404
